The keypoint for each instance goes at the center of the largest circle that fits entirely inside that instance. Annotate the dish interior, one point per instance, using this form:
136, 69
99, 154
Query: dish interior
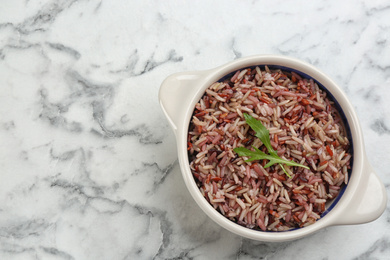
332, 203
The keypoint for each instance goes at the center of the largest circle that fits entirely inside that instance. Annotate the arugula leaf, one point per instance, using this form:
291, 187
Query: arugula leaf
263, 134
254, 155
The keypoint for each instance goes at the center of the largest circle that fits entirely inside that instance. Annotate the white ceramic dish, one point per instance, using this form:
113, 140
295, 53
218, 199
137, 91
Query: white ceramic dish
364, 198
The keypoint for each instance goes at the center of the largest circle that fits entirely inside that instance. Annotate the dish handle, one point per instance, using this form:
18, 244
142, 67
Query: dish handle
371, 200
176, 93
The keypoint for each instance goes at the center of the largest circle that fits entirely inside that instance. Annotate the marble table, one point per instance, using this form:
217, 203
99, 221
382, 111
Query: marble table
88, 163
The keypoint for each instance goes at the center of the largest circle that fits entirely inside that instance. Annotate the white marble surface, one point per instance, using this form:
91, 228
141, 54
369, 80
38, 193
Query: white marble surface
88, 163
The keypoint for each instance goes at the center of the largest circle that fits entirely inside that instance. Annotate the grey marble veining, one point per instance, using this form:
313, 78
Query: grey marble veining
88, 163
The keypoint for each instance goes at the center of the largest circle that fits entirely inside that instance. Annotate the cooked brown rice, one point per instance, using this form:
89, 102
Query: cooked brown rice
304, 127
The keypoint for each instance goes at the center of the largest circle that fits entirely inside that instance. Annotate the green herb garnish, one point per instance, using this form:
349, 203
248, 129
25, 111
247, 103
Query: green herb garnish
263, 134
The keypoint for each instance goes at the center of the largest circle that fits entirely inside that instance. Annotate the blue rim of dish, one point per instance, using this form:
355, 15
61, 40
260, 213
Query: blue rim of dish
339, 110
